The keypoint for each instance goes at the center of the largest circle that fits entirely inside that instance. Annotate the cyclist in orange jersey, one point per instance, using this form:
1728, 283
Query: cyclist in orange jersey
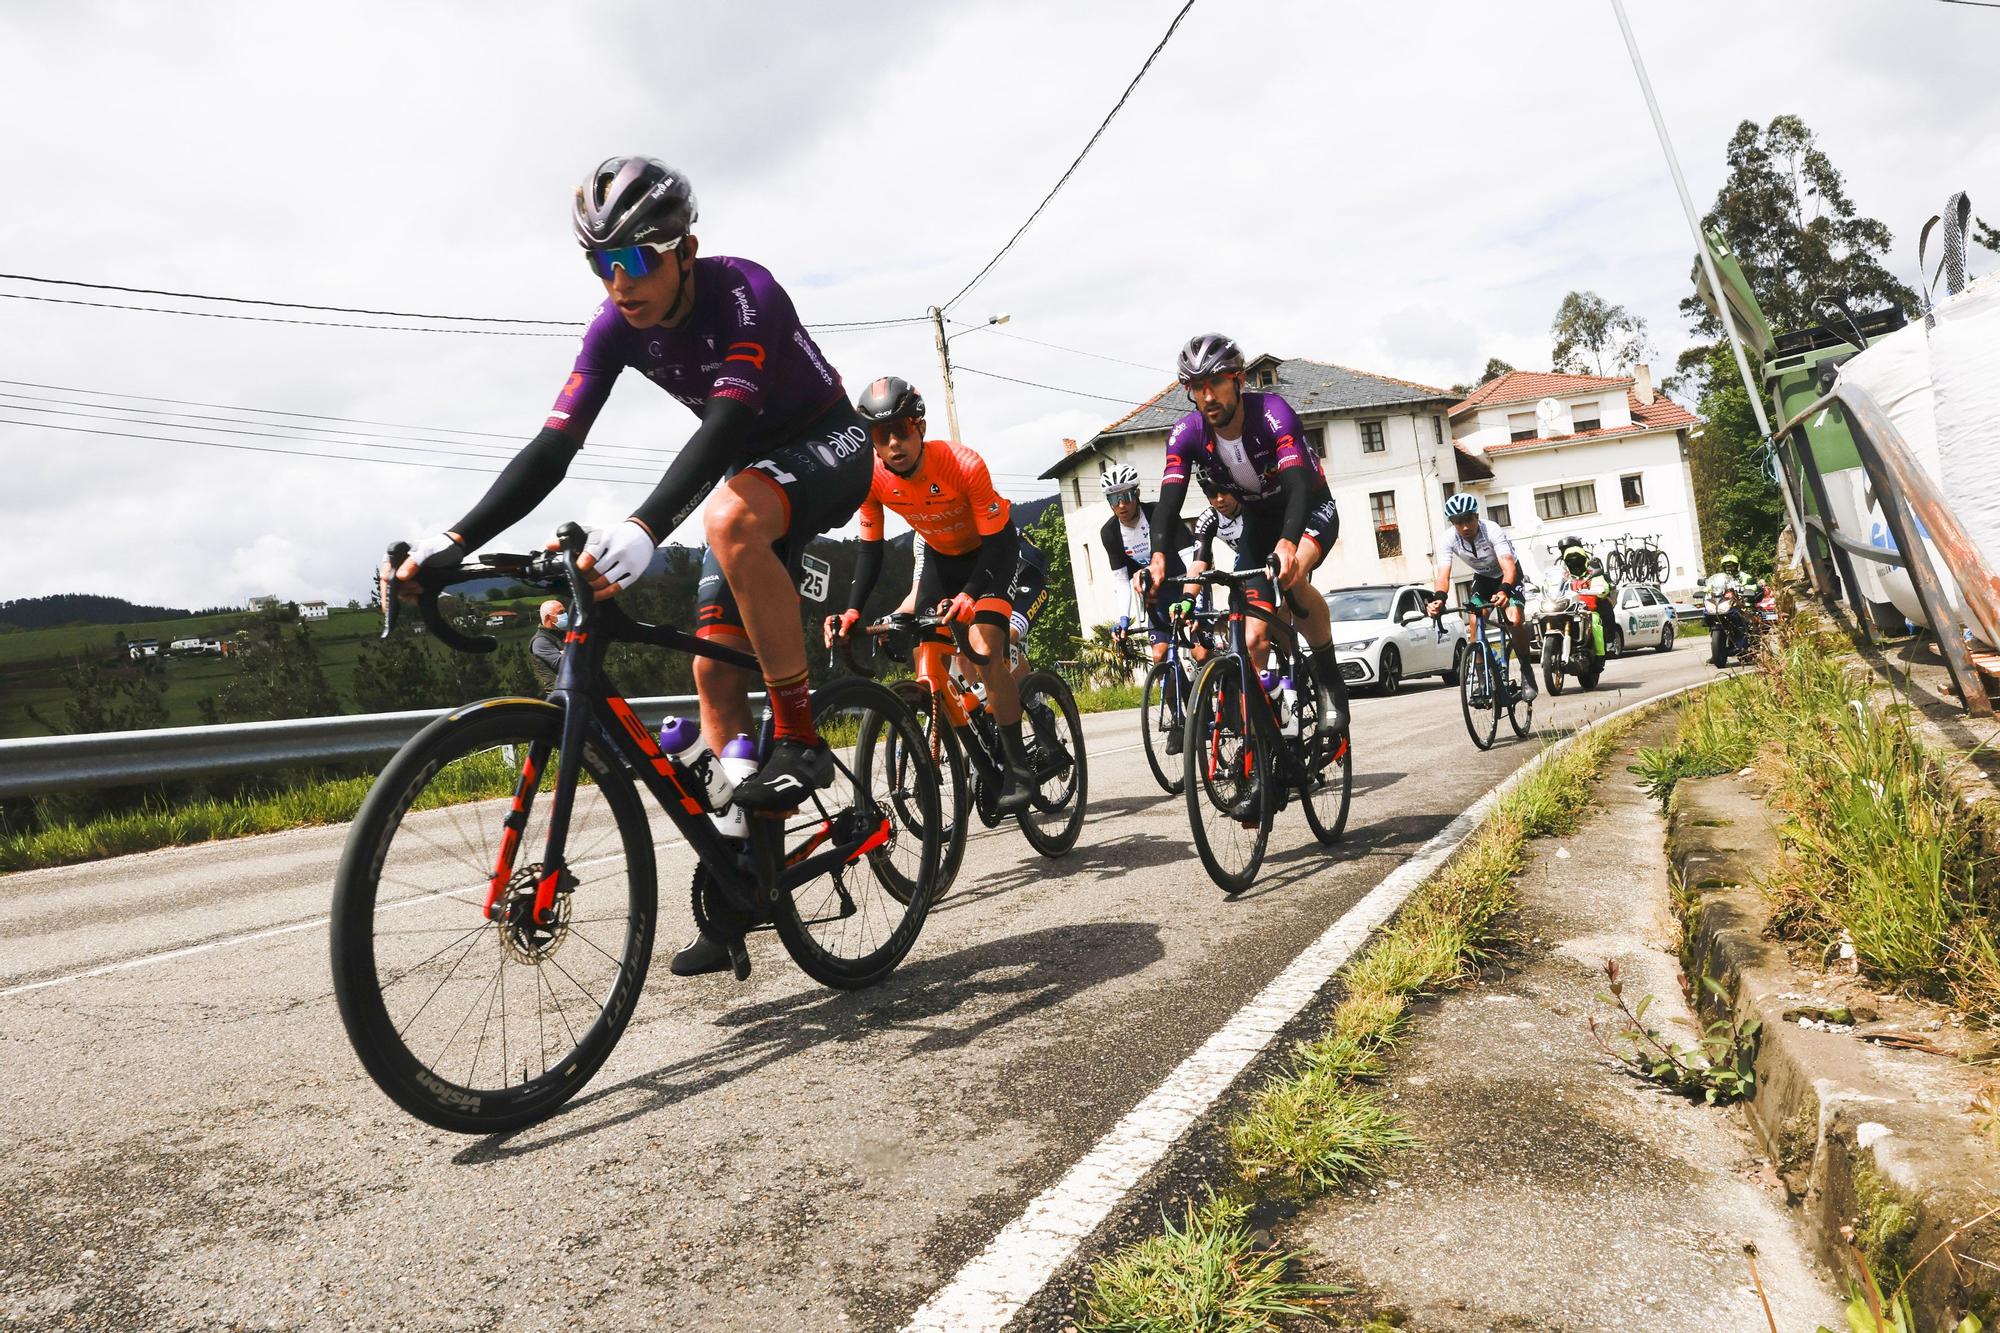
945, 493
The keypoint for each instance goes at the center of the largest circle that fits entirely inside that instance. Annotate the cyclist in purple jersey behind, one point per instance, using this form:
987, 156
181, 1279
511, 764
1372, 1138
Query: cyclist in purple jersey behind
777, 432
1250, 445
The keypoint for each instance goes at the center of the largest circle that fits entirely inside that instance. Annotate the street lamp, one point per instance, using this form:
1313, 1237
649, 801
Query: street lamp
944, 360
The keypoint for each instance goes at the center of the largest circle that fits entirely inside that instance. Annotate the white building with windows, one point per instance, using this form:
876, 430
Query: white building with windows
1385, 444
1548, 455
1598, 457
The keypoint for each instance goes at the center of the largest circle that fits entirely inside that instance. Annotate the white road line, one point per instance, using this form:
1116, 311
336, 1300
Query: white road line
148, 960
990, 1290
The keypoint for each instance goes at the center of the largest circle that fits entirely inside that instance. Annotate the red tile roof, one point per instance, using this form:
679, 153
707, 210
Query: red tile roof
1663, 413
1522, 386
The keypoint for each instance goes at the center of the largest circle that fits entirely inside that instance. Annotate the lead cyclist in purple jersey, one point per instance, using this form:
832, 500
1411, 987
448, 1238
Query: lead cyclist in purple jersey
777, 433
1251, 445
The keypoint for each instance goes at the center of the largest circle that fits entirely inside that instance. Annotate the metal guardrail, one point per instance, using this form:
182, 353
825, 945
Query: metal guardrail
1915, 509
127, 758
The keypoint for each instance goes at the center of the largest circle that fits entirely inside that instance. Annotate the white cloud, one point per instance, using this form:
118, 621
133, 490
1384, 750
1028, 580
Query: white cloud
1407, 189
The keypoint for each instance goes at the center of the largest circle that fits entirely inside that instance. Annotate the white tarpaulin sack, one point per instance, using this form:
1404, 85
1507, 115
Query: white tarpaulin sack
1896, 371
1965, 380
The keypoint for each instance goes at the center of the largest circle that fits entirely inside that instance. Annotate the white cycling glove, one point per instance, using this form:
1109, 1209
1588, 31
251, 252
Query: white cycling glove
422, 551
623, 554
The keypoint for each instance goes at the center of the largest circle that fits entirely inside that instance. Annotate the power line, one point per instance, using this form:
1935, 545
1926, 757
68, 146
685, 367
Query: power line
276, 319
1073, 351
1102, 125
1034, 384
285, 453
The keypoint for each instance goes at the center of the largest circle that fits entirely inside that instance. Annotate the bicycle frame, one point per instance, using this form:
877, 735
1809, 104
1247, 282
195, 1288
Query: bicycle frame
1248, 684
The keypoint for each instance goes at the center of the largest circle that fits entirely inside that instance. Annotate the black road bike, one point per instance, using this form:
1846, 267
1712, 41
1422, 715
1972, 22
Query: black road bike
1487, 689
962, 737
1236, 741
494, 909
1168, 685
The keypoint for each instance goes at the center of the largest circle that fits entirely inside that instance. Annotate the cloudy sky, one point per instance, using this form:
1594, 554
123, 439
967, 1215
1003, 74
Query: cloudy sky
1404, 189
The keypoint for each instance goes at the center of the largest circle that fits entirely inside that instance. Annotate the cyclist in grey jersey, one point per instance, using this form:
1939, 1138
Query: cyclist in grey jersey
1496, 574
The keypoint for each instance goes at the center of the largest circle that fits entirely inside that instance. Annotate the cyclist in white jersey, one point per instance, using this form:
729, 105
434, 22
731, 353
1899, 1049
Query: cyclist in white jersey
1487, 551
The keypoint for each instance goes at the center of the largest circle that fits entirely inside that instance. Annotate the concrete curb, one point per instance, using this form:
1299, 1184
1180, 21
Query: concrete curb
1859, 1132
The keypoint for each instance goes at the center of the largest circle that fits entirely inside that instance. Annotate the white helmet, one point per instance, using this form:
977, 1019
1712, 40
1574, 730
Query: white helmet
1119, 477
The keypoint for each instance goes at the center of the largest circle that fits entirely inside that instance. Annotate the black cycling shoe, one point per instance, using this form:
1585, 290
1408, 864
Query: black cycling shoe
701, 956
794, 771
1333, 694
1016, 790
1249, 807
1174, 739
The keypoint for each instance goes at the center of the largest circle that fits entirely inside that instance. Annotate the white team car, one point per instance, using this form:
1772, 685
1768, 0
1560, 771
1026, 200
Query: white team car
1384, 638
1642, 618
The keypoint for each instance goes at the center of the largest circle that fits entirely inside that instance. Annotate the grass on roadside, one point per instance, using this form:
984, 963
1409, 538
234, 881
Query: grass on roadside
1875, 850
1316, 1124
1206, 1273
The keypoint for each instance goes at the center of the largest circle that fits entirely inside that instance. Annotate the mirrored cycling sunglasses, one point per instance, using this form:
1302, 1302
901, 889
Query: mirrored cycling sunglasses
1120, 497
636, 260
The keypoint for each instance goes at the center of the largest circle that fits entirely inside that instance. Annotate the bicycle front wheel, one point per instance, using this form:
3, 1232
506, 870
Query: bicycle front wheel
1226, 761
1055, 811
850, 927
1520, 708
942, 751
479, 1025
1160, 716
1479, 694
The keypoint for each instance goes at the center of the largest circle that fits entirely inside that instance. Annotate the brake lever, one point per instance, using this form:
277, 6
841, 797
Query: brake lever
385, 585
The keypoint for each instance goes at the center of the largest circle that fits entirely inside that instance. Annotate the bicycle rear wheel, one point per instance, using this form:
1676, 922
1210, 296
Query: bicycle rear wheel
1222, 752
850, 927
1160, 715
943, 751
1054, 816
1478, 693
469, 1024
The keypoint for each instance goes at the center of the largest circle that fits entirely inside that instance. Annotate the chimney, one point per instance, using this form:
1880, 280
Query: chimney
1069, 447
1642, 383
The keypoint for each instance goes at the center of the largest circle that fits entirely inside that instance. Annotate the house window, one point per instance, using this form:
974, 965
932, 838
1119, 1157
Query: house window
1586, 416
1633, 486
1566, 501
1266, 377
1437, 431
1450, 489
1521, 426
1388, 537
1076, 490
1371, 438
1316, 438
1501, 513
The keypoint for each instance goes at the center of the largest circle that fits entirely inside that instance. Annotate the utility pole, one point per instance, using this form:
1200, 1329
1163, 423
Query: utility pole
944, 368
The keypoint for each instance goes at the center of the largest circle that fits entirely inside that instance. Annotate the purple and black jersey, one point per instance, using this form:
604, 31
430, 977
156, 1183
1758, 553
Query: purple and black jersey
742, 340
1273, 441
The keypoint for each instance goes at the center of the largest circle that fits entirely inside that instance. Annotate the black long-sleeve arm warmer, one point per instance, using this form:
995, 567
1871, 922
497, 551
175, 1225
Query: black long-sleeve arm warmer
1292, 481
703, 459
1167, 517
867, 569
524, 483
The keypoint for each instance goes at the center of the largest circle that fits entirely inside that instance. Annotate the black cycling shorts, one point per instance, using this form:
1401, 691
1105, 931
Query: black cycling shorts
823, 478
1264, 524
945, 576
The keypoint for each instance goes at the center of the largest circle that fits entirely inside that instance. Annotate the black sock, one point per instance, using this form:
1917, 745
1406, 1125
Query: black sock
1011, 742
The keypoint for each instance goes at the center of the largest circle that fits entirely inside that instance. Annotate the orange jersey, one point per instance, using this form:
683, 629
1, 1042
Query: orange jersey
949, 499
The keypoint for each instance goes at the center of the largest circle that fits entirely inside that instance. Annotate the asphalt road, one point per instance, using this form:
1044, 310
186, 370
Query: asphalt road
191, 1143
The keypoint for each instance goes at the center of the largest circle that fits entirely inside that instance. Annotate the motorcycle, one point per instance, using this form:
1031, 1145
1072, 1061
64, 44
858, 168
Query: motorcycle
1562, 627
1729, 625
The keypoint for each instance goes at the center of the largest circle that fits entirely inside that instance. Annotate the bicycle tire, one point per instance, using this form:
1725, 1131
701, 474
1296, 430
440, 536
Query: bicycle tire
384, 1042
954, 787
1155, 717
1478, 678
1329, 763
1065, 793
796, 914
1520, 710
1213, 755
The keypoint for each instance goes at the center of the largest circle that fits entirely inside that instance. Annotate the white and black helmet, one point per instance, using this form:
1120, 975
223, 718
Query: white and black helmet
1119, 477
633, 200
1210, 354
889, 399
1460, 505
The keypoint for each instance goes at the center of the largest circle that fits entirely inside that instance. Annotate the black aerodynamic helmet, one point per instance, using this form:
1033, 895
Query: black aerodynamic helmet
889, 399
633, 200
1210, 354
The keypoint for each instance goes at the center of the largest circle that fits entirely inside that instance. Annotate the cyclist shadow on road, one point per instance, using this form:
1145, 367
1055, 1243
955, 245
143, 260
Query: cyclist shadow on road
935, 1004
1102, 861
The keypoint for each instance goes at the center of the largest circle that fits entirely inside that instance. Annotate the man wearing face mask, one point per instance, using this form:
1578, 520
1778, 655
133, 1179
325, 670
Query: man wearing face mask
545, 651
